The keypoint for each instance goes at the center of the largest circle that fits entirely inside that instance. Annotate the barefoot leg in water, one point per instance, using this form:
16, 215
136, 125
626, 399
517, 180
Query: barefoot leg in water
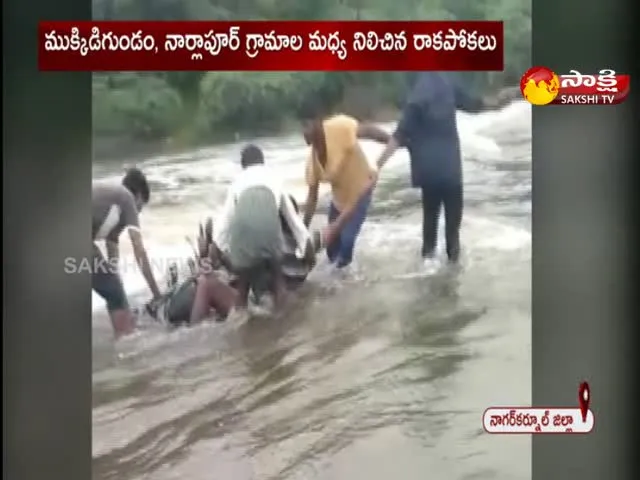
107, 283
122, 321
278, 288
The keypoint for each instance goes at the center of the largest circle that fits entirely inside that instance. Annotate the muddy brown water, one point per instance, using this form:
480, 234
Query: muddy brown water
384, 373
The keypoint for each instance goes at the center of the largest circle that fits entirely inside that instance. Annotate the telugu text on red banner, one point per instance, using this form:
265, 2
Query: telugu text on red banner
271, 46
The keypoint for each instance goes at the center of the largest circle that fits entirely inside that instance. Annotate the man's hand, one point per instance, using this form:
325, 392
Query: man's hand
368, 131
152, 307
503, 98
373, 178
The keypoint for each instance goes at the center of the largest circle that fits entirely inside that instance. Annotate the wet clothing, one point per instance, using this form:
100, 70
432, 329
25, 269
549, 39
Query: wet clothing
255, 236
429, 131
347, 169
106, 282
179, 302
258, 178
449, 195
249, 230
295, 270
348, 172
113, 209
340, 252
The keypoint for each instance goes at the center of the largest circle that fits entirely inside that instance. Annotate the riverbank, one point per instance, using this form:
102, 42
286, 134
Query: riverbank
108, 148
117, 147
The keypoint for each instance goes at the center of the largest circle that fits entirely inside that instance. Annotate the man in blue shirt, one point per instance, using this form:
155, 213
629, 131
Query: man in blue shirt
428, 130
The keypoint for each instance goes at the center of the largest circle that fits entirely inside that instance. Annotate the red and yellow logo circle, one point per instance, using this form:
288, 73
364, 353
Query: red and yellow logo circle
539, 86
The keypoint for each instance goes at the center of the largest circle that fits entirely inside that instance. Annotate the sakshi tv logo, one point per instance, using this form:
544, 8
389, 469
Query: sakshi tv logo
542, 86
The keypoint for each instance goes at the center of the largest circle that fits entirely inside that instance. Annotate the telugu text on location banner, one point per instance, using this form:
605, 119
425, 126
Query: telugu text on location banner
271, 46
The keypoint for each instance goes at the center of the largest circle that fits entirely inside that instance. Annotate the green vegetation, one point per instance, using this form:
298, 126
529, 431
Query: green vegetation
201, 107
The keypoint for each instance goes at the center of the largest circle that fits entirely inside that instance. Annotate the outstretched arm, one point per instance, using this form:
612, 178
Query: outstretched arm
402, 135
142, 259
312, 176
129, 216
467, 102
311, 204
368, 131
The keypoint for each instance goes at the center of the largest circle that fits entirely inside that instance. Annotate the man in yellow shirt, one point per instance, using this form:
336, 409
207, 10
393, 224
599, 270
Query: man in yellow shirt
337, 158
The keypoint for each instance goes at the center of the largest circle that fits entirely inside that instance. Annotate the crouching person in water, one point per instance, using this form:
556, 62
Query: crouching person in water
211, 288
250, 232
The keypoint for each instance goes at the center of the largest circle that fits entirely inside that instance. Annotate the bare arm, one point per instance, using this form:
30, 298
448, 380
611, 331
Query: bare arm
143, 260
466, 101
368, 131
311, 204
407, 126
388, 152
313, 181
129, 217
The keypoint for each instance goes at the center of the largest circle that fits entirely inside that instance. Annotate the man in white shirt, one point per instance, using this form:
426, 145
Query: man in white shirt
249, 230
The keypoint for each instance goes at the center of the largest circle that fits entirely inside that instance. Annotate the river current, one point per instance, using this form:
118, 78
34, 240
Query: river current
382, 374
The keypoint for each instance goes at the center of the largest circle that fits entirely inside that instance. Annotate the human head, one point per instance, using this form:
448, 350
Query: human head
251, 155
312, 131
136, 182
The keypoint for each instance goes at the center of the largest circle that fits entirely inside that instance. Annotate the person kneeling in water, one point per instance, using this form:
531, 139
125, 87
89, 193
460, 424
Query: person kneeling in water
192, 300
249, 229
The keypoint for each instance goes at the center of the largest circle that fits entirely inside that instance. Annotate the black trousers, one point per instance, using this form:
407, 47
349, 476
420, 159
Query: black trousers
434, 196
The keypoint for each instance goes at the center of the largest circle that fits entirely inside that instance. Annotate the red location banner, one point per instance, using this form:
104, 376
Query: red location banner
270, 46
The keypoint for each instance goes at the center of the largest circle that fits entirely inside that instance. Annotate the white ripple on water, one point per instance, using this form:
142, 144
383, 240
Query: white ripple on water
490, 238
213, 167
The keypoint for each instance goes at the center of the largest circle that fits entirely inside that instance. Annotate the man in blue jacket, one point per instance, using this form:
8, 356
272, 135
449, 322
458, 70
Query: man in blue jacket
429, 131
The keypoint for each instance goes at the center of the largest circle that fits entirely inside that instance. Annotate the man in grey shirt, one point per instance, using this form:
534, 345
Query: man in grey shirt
115, 207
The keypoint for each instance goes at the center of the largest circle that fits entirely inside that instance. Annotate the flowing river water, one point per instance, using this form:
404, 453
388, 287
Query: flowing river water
382, 374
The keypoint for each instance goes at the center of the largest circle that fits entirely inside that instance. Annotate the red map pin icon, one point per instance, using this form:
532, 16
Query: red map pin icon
584, 398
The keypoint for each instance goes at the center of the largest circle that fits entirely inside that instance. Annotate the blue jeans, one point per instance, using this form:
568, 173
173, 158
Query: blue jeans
340, 251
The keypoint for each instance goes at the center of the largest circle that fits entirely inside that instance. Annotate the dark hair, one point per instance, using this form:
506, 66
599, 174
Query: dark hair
136, 183
251, 155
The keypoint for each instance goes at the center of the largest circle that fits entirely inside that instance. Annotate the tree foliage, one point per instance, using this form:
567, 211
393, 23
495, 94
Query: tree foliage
204, 105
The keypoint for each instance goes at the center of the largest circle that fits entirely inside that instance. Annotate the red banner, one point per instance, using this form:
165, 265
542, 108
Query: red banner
270, 46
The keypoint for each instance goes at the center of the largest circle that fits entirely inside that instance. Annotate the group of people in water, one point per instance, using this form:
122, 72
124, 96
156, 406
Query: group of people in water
261, 244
